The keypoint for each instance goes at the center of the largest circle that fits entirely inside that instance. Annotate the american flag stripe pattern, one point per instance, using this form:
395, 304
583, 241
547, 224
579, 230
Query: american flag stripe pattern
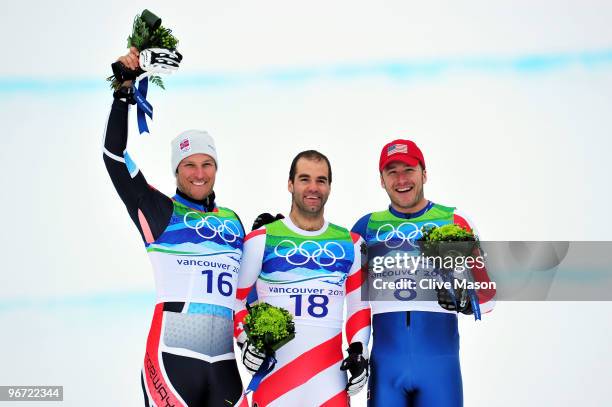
397, 149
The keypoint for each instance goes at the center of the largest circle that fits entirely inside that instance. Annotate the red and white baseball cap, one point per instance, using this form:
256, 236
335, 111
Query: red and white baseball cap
405, 151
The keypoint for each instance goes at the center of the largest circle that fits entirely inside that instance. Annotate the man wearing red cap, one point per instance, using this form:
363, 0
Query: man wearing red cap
415, 354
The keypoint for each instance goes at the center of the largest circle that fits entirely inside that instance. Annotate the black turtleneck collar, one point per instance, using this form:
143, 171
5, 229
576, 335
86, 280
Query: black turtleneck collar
205, 205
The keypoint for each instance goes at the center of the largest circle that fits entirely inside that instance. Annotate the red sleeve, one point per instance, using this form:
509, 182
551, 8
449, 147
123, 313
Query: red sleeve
480, 273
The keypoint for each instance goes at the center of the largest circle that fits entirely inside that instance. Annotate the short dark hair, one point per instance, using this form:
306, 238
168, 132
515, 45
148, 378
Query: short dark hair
309, 155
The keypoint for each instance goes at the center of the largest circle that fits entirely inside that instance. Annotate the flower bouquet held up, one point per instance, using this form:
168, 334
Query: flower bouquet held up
147, 32
156, 46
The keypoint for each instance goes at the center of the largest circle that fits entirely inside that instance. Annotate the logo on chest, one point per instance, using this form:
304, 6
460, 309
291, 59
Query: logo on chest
323, 255
407, 232
209, 227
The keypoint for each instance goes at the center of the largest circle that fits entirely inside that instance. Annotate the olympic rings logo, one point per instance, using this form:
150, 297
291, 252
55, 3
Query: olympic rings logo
323, 256
406, 232
211, 226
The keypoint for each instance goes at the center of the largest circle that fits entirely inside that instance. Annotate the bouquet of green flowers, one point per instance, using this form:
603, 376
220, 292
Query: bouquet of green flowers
147, 32
448, 240
269, 327
455, 243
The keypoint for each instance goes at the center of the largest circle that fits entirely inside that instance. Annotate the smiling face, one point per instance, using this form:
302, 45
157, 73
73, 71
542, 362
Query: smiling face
196, 176
309, 188
404, 185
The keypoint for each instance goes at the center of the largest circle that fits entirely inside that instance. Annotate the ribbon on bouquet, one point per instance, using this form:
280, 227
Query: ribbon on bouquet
473, 297
144, 108
266, 367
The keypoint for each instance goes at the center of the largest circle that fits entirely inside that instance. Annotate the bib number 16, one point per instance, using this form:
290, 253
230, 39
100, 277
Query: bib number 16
317, 305
224, 282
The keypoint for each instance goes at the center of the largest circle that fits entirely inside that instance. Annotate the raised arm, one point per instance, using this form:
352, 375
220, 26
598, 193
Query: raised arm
149, 209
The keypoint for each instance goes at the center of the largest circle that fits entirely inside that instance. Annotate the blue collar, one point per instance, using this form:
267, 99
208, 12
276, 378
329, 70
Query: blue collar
411, 215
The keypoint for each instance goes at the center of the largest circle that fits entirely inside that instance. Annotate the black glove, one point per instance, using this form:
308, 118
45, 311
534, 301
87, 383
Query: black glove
252, 358
461, 302
264, 219
123, 73
125, 92
357, 365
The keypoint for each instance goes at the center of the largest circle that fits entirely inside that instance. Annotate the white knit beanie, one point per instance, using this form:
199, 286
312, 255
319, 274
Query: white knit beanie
192, 142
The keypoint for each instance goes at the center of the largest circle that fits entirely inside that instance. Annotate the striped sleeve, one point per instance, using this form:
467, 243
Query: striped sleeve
485, 296
250, 267
358, 314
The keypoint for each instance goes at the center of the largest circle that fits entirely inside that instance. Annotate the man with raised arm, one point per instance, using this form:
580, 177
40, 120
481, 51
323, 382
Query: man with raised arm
195, 248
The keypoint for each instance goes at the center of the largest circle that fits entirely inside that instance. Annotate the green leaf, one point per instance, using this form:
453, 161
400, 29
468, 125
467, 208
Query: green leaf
114, 83
156, 80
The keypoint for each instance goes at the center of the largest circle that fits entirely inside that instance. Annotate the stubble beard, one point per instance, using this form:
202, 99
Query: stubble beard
413, 203
187, 190
306, 211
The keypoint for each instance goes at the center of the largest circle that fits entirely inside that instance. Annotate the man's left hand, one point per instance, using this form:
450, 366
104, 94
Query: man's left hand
264, 219
357, 364
461, 302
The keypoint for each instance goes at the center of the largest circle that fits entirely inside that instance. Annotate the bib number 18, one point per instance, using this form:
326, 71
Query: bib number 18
317, 305
224, 283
